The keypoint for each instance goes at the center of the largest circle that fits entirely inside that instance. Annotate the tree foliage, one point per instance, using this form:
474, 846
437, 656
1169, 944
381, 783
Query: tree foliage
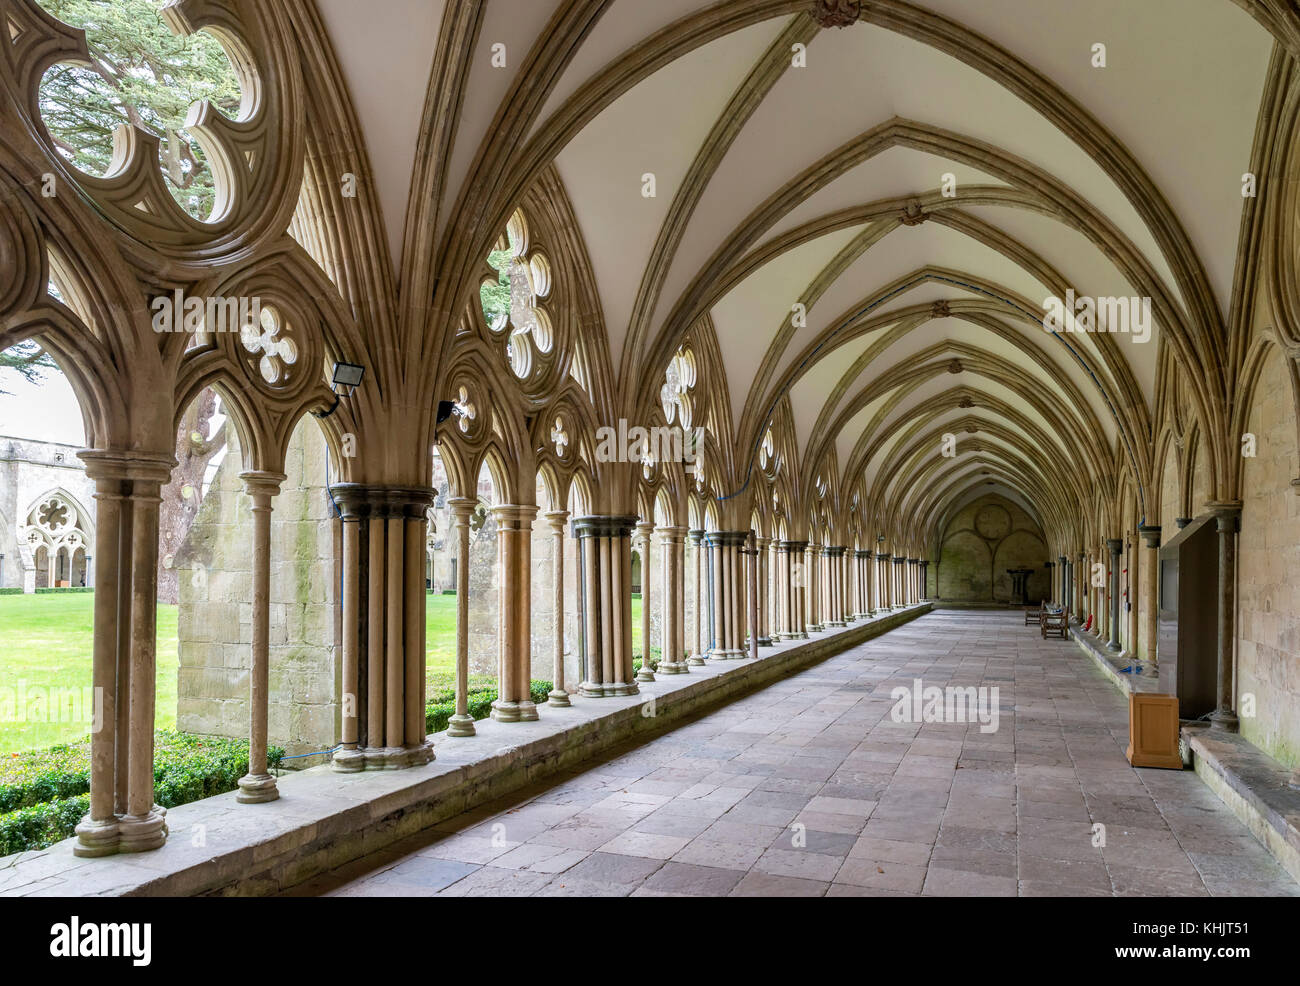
141, 74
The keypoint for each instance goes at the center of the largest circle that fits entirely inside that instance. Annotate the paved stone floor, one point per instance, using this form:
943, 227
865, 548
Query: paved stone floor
808, 787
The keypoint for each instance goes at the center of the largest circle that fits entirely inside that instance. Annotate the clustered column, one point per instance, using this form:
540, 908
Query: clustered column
1116, 546
797, 591
726, 590
604, 574
1150, 534
122, 815
383, 585
812, 571
557, 519
836, 558
461, 723
1227, 518
672, 554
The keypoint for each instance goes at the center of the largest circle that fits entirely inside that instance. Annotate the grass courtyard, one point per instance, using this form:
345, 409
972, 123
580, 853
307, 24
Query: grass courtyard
45, 647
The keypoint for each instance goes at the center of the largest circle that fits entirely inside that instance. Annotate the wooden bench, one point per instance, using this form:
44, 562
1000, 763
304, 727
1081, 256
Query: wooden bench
1034, 614
1057, 624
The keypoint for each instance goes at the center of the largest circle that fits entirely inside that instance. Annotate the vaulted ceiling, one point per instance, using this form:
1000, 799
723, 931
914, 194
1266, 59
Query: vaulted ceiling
797, 164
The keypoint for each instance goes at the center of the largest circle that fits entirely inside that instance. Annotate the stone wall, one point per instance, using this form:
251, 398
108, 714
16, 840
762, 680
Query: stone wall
983, 539
1268, 610
215, 621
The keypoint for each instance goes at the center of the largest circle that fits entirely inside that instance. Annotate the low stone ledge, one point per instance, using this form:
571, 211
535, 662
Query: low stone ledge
324, 819
1254, 786
1112, 665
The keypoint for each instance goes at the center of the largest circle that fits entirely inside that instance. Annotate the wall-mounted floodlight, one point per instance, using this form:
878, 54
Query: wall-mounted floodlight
445, 410
345, 379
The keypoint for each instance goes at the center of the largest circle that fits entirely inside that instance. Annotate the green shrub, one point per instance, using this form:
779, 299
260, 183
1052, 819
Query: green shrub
185, 768
438, 714
42, 825
68, 588
11, 591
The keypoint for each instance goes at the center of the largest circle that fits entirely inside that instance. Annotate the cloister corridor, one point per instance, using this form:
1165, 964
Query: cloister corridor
715, 807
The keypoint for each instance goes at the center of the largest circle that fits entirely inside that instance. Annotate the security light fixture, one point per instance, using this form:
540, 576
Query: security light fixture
445, 410
347, 375
345, 380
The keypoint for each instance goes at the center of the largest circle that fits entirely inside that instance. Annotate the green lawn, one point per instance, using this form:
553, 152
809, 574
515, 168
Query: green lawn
46, 639
45, 644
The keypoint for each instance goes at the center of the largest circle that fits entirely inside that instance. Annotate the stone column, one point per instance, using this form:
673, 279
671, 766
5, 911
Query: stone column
751, 556
697, 658
1150, 603
672, 548
798, 578
835, 562
644, 531
762, 560
925, 579
812, 571
1116, 546
1081, 590
514, 701
462, 723
143, 827
866, 563
387, 586
557, 519
1130, 586
258, 786
1227, 518
605, 551
97, 833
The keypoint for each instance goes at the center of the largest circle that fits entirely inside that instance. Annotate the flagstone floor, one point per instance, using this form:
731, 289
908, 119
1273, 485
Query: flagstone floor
810, 788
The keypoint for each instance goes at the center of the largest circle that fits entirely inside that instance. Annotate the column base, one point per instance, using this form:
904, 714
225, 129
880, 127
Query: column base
696, 661
141, 833
815, 627
257, 789
97, 837
349, 760
764, 641
1224, 720
559, 698
611, 689
670, 667
837, 623
646, 673
397, 757
505, 711
461, 725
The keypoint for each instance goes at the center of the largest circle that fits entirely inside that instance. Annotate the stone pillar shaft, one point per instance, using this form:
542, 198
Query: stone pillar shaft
606, 609
1227, 517
559, 696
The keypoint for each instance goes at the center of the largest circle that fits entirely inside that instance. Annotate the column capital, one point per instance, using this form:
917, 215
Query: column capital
1150, 533
792, 545
1227, 515
861, 553
1116, 545
898, 559
128, 464
514, 514
695, 535
1182, 522
600, 526
880, 555
259, 481
836, 550
362, 500
557, 519
674, 535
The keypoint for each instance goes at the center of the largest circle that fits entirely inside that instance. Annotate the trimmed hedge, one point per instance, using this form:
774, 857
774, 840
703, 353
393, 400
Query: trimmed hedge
438, 713
41, 825
68, 588
37, 787
11, 591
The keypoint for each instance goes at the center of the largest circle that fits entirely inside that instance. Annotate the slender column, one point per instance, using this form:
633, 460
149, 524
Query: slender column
1116, 546
1150, 570
258, 786
752, 581
394, 617
143, 827
1081, 590
643, 533
717, 594
97, 832
557, 518
349, 757
461, 723
697, 658
762, 560
1130, 586
1227, 517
